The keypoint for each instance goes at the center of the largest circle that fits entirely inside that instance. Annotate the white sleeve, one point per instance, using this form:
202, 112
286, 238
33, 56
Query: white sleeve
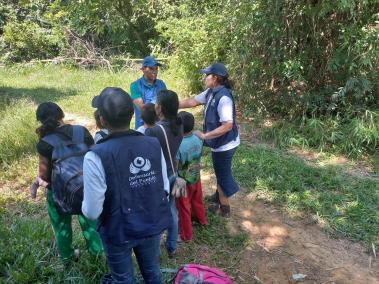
166, 183
97, 137
94, 186
200, 98
225, 109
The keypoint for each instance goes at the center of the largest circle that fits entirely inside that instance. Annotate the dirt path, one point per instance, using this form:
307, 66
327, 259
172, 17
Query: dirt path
72, 118
281, 246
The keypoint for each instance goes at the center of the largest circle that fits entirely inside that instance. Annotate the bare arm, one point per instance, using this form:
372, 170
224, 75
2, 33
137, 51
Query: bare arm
138, 102
188, 103
44, 168
219, 131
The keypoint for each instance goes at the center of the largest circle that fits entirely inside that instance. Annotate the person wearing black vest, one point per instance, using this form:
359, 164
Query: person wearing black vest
220, 132
126, 188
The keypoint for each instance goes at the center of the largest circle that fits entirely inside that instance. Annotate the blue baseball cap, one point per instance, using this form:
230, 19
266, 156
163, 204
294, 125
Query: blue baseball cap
216, 69
149, 61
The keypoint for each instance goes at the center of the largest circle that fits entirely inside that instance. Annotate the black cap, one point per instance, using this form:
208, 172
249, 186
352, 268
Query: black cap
115, 105
216, 69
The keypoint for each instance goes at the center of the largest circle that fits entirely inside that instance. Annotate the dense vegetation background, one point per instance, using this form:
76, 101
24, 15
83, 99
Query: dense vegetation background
310, 65
305, 73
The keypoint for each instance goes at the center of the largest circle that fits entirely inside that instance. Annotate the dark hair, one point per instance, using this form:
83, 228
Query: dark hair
148, 113
116, 107
225, 81
96, 115
188, 121
49, 114
169, 102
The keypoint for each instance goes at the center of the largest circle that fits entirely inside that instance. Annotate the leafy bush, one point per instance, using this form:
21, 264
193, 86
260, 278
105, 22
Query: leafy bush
192, 48
290, 58
27, 40
351, 135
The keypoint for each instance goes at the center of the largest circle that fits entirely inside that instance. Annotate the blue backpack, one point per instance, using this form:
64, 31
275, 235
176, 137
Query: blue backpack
67, 170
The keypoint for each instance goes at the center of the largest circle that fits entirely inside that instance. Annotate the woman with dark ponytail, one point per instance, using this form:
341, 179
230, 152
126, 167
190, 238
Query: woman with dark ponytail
220, 132
166, 108
50, 115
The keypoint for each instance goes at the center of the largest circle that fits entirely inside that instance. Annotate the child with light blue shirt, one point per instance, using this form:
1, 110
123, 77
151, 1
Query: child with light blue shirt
188, 156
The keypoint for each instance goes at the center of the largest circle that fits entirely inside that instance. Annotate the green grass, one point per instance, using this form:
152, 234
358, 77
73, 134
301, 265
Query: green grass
17, 136
28, 252
346, 205
23, 88
355, 136
71, 88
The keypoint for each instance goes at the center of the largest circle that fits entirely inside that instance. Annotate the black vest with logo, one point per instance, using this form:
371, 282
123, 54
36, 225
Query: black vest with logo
135, 203
212, 118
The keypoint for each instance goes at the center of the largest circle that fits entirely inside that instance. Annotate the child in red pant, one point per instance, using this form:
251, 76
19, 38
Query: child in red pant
189, 168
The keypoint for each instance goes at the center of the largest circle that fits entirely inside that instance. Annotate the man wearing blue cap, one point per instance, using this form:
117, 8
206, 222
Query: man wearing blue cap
146, 88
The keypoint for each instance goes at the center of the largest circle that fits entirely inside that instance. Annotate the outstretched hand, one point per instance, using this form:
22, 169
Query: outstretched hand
199, 134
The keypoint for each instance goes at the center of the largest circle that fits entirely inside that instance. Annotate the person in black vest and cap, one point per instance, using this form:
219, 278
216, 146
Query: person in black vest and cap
126, 188
220, 131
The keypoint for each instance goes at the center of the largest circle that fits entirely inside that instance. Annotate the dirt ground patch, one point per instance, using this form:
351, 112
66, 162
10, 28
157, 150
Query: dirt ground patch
281, 246
72, 118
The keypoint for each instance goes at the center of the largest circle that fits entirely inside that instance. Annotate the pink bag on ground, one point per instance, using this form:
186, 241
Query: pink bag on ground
196, 274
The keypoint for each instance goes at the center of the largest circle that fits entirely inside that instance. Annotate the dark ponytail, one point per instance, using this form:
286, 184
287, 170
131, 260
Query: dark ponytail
50, 115
225, 81
169, 102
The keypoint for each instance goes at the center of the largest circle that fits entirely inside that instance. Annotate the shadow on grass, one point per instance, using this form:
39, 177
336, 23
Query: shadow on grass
37, 95
18, 119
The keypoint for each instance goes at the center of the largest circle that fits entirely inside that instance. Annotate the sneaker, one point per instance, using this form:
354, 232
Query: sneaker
107, 279
213, 208
68, 262
76, 255
213, 198
225, 211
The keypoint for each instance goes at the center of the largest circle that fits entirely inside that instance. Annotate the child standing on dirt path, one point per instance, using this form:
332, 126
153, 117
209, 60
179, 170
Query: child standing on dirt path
189, 155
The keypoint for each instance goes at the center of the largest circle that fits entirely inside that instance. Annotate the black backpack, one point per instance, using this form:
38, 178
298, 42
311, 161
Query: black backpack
67, 170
